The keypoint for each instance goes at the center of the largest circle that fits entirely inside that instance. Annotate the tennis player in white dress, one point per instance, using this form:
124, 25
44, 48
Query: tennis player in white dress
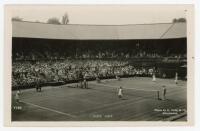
120, 92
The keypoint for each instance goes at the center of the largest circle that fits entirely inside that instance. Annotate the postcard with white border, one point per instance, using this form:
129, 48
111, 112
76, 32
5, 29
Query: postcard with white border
99, 65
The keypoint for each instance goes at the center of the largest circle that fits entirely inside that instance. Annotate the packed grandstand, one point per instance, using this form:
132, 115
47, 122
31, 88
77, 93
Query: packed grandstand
53, 54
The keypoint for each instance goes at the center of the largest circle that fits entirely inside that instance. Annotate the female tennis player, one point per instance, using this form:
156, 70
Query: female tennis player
120, 92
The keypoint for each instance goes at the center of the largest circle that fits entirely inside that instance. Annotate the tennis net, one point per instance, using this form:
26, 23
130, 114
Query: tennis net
153, 94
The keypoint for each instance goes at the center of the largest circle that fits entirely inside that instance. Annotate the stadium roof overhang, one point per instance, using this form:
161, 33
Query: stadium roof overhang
98, 32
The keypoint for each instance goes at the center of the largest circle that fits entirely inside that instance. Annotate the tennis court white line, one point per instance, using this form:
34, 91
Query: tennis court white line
52, 110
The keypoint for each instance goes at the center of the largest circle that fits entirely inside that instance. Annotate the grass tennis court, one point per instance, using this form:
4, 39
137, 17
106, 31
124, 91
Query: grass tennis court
101, 103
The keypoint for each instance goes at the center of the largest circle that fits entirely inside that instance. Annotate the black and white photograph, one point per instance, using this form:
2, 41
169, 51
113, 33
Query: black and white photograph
88, 63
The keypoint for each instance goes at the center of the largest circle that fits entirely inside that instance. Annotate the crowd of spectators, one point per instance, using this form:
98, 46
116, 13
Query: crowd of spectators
27, 73
88, 55
44, 61
41, 49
